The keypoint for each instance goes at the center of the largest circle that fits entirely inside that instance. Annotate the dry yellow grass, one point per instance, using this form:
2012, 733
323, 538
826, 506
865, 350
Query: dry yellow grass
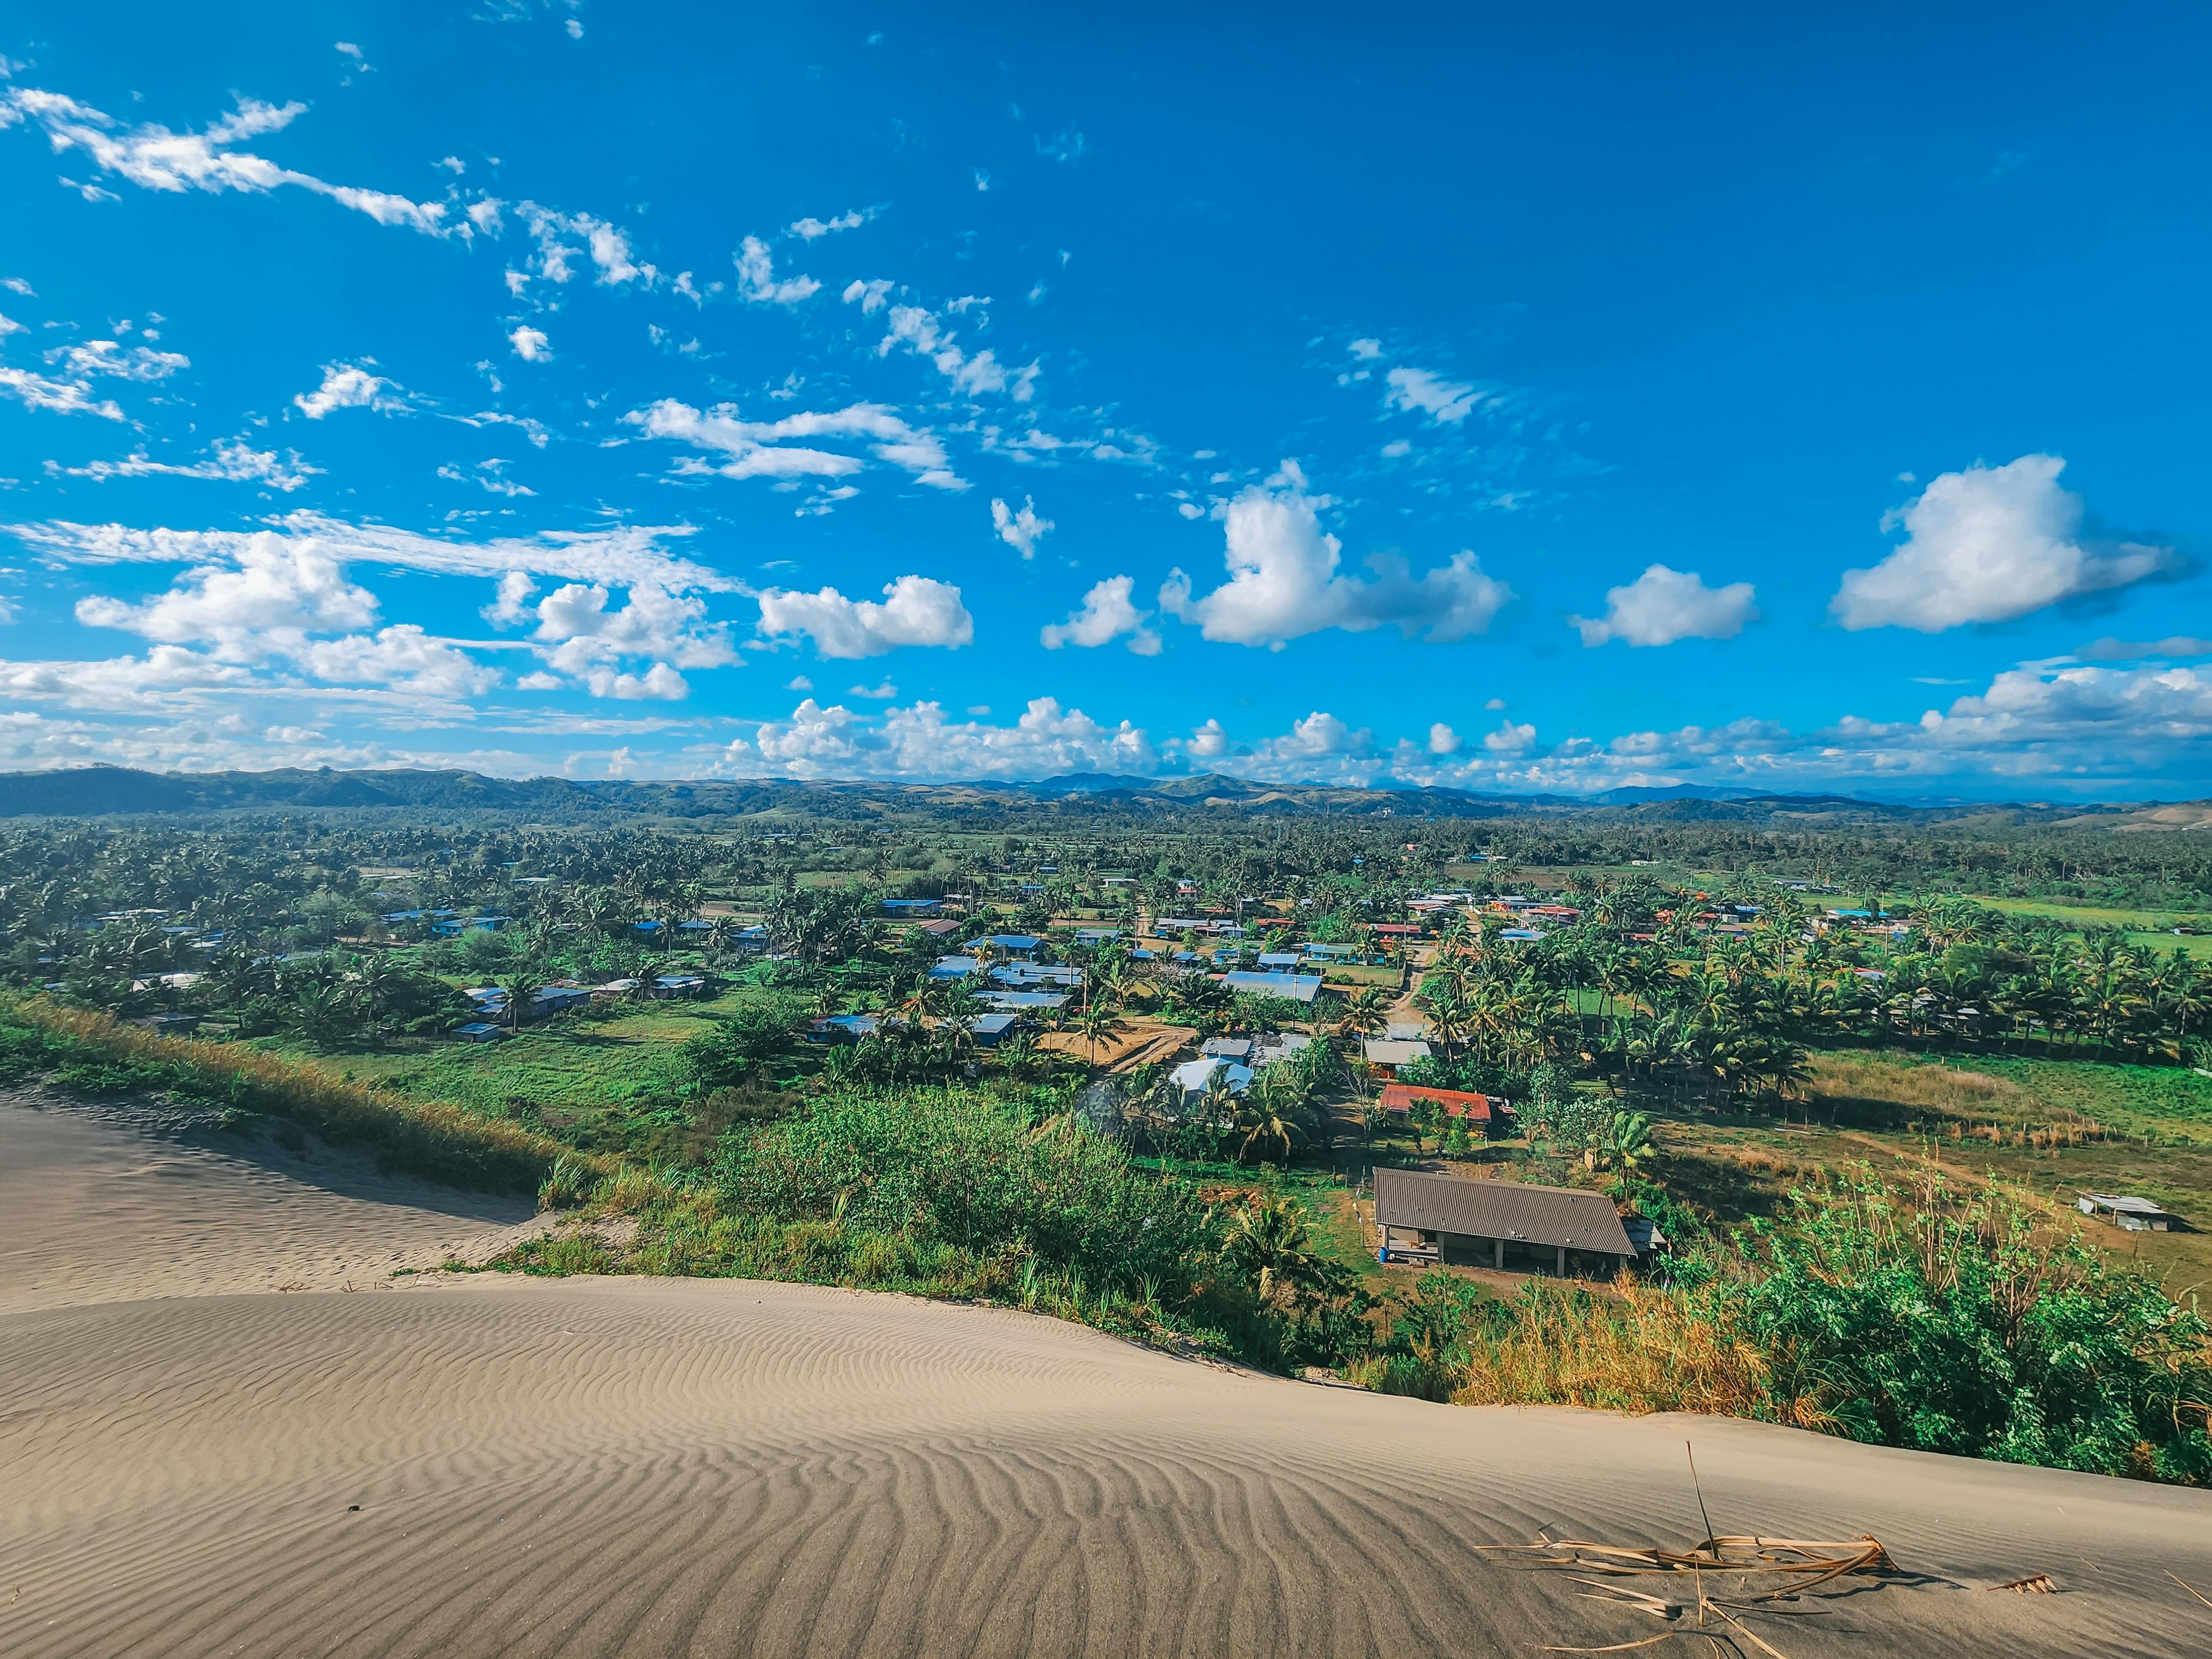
429, 1138
1641, 1350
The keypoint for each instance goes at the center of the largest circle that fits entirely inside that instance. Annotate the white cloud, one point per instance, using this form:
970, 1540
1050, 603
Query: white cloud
530, 344
1106, 615
660, 682
1367, 351
349, 385
107, 357
1985, 546
1318, 734
757, 278
628, 556
120, 682
1019, 531
760, 449
883, 693
578, 630
611, 252
235, 462
562, 239
808, 229
511, 607
1283, 582
1442, 740
917, 610
1510, 738
1417, 391
273, 588
155, 158
36, 390
403, 656
872, 296
918, 742
922, 331
1208, 742
1662, 606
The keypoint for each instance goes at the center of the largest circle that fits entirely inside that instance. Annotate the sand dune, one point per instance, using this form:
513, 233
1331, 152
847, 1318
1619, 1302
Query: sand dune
109, 1203
627, 1466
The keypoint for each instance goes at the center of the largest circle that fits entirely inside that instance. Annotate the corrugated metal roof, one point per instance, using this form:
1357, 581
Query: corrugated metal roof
1565, 1216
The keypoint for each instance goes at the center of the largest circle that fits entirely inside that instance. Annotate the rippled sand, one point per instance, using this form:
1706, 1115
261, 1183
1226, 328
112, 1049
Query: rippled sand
488, 1465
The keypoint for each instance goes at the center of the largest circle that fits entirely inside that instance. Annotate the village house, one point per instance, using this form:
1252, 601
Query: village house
1497, 1223
1294, 987
1387, 1054
1482, 1112
2134, 1215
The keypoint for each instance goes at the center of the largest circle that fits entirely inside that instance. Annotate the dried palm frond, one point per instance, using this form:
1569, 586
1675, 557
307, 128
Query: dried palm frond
1764, 1570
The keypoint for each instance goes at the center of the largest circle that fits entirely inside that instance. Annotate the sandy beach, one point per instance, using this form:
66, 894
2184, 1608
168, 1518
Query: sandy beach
199, 1461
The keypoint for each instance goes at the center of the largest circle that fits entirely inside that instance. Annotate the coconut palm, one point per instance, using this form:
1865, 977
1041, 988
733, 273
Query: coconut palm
1097, 1023
1624, 1143
1365, 1011
1269, 1242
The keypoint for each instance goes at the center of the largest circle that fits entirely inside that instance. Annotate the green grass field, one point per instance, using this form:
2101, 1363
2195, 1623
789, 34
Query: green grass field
604, 1081
2091, 915
2170, 1104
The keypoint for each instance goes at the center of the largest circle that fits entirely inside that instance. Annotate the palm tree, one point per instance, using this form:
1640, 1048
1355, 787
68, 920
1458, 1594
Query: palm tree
321, 1007
1097, 1022
1269, 1241
1365, 1010
521, 987
373, 982
1625, 1142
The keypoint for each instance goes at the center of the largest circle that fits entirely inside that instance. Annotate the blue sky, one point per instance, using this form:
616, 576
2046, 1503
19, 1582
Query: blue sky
1506, 403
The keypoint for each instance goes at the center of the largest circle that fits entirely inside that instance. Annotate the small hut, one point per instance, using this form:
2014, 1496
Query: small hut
1497, 1223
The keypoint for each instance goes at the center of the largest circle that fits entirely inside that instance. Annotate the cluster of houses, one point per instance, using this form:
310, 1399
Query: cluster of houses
567, 996
452, 924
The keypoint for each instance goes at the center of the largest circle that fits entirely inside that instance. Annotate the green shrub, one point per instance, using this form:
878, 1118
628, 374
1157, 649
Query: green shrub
959, 1167
565, 1184
1959, 1324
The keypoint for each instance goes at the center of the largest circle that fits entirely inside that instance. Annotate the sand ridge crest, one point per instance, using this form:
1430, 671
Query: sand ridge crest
622, 1466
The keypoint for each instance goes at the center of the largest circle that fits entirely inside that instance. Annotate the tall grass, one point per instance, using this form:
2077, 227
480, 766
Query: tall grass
95, 1052
1905, 1316
1647, 1349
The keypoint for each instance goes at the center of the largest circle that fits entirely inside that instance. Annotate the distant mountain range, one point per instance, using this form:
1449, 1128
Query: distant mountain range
109, 791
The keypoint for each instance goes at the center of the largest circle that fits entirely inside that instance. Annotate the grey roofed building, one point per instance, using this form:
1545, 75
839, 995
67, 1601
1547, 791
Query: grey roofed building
2135, 1215
1473, 1222
1382, 1051
1297, 987
1020, 1001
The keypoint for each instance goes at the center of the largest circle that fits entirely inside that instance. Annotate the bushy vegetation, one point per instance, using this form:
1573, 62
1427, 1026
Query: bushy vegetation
1905, 1316
92, 1053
